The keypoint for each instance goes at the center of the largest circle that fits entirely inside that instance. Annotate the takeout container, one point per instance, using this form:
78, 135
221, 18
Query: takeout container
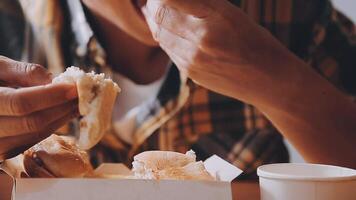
294, 181
113, 185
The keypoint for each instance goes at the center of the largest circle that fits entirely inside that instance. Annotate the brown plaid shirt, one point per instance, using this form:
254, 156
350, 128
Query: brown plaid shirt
184, 115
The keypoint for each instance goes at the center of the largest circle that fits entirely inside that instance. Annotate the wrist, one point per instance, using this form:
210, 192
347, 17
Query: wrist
301, 92
293, 85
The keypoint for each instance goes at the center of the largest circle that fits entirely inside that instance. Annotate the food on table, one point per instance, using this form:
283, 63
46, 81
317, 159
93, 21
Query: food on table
160, 165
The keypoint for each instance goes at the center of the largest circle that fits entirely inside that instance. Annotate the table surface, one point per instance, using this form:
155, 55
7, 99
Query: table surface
240, 190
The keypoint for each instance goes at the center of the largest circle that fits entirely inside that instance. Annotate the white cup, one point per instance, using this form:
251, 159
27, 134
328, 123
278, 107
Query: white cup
292, 181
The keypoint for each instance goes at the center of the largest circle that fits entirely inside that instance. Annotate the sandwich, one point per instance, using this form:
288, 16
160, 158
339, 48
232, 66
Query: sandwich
162, 165
96, 100
56, 156
60, 156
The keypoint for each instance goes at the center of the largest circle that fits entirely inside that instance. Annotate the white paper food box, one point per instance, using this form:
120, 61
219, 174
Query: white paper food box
128, 189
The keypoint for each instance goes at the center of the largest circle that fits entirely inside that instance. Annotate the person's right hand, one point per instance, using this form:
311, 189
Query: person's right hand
221, 48
31, 108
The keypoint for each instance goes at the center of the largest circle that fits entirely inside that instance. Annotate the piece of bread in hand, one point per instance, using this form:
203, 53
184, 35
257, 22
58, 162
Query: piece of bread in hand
96, 101
169, 165
56, 156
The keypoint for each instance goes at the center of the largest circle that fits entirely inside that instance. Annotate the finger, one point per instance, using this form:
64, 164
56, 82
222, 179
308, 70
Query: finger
24, 101
181, 24
190, 71
168, 44
13, 126
198, 8
174, 44
183, 59
16, 73
192, 58
213, 36
14, 151
12, 146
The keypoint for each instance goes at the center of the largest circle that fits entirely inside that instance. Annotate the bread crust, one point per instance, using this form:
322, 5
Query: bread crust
169, 165
33, 169
57, 156
97, 97
97, 115
159, 160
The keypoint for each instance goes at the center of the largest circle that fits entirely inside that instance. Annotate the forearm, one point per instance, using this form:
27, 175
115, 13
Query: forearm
317, 118
228, 53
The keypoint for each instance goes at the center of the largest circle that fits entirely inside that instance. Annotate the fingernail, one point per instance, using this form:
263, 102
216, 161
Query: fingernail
72, 93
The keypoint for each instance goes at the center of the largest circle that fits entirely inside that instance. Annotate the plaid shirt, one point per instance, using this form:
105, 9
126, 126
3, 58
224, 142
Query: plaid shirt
185, 116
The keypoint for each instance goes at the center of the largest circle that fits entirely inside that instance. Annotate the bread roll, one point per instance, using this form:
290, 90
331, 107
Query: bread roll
96, 101
192, 171
169, 165
56, 156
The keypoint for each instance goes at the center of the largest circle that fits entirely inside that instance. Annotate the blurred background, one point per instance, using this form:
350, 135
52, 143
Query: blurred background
348, 7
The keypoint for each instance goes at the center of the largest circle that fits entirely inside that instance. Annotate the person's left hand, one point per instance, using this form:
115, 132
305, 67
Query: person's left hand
220, 47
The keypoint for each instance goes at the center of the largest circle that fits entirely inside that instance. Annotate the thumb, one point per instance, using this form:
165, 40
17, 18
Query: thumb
20, 74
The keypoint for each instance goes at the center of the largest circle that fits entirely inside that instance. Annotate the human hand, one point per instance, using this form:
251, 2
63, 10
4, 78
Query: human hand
221, 48
31, 108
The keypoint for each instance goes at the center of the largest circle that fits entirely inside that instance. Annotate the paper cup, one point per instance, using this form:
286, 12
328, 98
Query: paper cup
291, 181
